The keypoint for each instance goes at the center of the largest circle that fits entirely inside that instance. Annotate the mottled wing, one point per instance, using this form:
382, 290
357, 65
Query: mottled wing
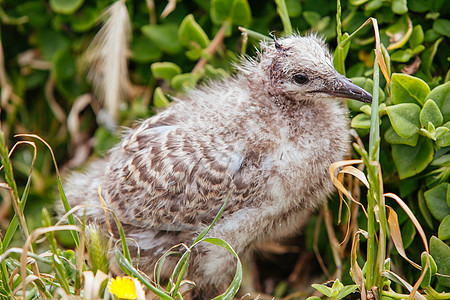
170, 177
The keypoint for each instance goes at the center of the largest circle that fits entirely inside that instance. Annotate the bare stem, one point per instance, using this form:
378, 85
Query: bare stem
335, 246
151, 9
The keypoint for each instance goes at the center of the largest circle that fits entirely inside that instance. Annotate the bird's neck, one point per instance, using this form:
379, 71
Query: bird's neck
292, 107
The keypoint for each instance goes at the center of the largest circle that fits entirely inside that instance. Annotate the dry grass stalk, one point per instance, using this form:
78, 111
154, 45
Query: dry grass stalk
107, 58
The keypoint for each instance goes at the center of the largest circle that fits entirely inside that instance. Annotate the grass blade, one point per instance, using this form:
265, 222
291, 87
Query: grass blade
236, 283
284, 15
66, 204
126, 265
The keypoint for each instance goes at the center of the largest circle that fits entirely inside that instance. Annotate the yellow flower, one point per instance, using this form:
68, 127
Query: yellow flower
123, 288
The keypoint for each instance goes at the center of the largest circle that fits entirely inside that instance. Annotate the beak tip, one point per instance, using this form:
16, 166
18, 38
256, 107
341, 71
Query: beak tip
366, 98
344, 88
357, 93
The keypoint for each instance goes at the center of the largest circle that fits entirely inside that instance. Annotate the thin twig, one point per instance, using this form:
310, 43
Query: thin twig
316, 248
151, 9
7, 91
170, 7
335, 245
54, 106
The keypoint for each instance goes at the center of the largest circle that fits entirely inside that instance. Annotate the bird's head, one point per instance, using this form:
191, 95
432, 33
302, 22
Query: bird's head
301, 67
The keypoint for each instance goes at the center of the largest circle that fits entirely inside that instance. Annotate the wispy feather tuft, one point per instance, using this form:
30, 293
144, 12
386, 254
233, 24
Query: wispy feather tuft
107, 56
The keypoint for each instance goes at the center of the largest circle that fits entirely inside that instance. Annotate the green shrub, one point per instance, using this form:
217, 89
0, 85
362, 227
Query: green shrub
46, 90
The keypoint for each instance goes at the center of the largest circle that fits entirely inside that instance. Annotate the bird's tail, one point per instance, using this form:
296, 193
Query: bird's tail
81, 188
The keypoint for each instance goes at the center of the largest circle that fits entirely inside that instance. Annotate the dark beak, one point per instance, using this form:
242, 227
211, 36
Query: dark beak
344, 88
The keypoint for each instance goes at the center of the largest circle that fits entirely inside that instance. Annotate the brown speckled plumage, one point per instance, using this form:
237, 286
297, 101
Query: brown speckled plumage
263, 131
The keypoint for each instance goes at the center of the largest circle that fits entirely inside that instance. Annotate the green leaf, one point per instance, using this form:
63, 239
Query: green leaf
399, 7
367, 109
337, 285
431, 270
441, 95
441, 252
433, 266
424, 209
393, 138
86, 19
373, 5
428, 56
159, 99
402, 55
430, 113
417, 36
428, 134
191, 35
194, 54
357, 2
104, 140
220, 11
236, 11
70, 88
408, 233
448, 197
420, 5
444, 140
215, 73
323, 289
36, 11
241, 13
436, 199
65, 6
408, 186
399, 32
441, 131
184, 81
441, 160
361, 121
444, 229
50, 42
164, 36
143, 50
165, 70
417, 49
431, 36
408, 89
63, 65
404, 118
312, 17
347, 290
431, 128
410, 161
442, 26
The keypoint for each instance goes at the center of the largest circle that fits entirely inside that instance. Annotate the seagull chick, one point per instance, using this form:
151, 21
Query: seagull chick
267, 135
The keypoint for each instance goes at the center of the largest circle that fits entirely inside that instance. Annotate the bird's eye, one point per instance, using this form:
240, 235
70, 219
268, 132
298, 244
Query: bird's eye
300, 78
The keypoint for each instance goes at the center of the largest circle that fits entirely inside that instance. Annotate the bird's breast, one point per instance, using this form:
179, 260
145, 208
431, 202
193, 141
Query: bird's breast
299, 167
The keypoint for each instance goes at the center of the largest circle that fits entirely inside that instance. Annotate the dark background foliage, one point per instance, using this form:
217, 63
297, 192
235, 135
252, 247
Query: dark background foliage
43, 81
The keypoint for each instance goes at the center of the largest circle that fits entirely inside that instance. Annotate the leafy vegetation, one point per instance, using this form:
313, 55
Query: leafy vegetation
50, 86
